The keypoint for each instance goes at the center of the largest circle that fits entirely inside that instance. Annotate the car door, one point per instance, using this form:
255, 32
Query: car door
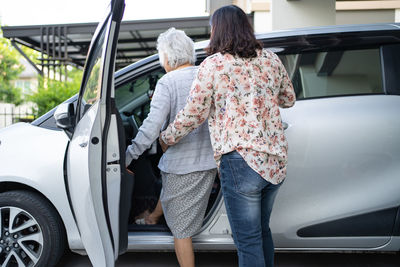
98, 185
342, 185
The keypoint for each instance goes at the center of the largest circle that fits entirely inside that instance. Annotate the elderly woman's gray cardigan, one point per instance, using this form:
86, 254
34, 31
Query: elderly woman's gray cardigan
192, 153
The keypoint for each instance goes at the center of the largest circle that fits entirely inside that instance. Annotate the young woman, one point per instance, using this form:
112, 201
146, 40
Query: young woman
188, 169
240, 88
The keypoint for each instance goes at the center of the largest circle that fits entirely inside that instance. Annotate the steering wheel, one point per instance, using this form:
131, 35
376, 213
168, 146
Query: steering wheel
132, 121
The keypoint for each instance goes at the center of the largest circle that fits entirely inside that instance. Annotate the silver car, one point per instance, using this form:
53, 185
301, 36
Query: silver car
70, 187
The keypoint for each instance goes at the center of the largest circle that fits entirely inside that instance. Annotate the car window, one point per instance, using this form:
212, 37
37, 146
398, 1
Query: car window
335, 73
92, 84
138, 91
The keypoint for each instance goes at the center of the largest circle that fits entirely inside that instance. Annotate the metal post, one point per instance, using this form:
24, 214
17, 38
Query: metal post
41, 49
53, 36
59, 50
12, 115
47, 52
65, 52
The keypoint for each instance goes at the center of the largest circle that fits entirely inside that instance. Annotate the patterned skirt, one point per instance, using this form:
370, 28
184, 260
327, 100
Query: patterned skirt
184, 199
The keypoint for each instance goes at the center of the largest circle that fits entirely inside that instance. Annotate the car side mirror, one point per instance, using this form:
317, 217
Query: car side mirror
65, 118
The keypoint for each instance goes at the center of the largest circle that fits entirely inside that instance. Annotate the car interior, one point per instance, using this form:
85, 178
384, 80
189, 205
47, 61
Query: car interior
133, 102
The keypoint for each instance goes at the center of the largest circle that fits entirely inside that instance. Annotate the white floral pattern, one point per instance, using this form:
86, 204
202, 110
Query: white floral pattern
241, 99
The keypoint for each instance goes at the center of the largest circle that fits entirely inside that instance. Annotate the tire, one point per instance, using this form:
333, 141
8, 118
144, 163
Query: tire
40, 244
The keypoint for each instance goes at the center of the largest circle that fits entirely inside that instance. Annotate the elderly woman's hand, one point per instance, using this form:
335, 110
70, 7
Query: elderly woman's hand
129, 171
163, 145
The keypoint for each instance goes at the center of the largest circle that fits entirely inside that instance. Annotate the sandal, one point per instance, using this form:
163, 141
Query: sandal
145, 220
140, 221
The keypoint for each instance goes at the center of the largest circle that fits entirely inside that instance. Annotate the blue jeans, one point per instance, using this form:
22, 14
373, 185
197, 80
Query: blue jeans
248, 201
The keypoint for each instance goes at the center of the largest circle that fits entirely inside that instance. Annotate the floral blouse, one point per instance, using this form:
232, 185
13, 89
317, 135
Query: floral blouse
241, 99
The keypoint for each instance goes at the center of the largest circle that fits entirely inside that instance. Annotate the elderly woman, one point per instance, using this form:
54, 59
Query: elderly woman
188, 169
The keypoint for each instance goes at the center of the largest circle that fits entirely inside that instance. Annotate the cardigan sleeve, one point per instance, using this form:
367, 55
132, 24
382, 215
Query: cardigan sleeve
149, 131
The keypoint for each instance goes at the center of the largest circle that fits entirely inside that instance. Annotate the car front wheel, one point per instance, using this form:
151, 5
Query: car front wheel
31, 232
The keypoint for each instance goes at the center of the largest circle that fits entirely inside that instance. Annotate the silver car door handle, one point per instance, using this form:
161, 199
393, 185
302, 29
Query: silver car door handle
285, 125
84, 144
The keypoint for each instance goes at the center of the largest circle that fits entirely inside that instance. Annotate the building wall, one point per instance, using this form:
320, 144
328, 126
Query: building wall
262, 21
28, 83
283, 14
300, 14
28, 79
212, 5
364, 16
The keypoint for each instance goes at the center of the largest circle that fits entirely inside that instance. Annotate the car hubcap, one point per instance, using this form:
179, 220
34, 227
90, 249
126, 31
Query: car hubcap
21, 238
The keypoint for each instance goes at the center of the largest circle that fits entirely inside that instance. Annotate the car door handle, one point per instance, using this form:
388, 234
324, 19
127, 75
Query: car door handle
285, 125
84, 144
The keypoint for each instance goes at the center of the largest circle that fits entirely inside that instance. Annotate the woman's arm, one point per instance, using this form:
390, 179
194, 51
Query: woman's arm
197, 108
150, 129
287, 96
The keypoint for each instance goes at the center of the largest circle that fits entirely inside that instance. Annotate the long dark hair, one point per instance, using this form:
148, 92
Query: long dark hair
232, 33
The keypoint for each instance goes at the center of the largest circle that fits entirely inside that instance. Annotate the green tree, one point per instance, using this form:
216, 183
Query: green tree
10, 68
50, 92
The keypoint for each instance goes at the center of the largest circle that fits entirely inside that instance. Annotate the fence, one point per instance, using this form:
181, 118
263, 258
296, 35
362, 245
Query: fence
10, 114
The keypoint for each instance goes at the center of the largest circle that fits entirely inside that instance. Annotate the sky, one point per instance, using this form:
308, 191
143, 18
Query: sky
37, 12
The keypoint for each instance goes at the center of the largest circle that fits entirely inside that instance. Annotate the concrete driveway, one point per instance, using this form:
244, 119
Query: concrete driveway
203, 259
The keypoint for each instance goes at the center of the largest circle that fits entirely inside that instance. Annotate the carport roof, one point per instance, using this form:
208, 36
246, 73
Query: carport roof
69, 43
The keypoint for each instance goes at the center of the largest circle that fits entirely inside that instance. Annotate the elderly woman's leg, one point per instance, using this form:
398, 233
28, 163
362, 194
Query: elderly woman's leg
184, 251
184, 200
155, 215
150, 218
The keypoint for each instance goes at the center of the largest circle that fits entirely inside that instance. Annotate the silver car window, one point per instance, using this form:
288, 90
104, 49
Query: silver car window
142, 85
335, 73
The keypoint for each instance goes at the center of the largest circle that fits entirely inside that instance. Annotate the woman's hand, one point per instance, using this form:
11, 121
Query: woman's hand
163, 145
129, 171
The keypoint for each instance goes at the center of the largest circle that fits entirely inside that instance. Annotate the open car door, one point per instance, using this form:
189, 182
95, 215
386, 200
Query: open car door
99, 186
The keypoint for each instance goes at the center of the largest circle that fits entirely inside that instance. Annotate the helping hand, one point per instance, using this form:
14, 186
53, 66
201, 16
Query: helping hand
163, 145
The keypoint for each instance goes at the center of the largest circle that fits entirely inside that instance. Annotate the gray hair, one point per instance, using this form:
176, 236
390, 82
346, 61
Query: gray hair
177, 46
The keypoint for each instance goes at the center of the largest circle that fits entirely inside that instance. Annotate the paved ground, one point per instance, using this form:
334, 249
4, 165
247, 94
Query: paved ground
164, 259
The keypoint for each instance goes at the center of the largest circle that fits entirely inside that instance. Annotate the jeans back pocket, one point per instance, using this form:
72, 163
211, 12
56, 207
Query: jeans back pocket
246, 180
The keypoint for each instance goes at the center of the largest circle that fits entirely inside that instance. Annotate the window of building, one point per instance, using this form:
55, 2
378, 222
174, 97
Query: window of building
25, 86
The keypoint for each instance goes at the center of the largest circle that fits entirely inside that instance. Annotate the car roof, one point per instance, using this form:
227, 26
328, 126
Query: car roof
293, 39
363, 29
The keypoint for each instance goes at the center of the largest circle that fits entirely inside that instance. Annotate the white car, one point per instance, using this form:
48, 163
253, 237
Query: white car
70, 188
